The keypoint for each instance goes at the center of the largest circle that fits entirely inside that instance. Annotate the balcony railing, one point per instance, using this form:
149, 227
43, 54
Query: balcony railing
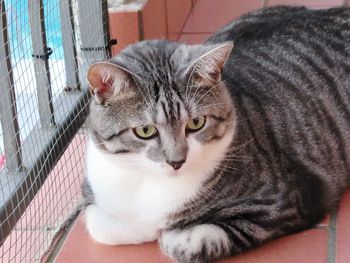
45, 49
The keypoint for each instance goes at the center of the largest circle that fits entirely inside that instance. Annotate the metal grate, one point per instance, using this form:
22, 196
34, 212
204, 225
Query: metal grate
45, 48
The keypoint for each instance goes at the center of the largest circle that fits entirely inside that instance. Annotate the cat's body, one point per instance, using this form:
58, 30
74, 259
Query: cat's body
271, 159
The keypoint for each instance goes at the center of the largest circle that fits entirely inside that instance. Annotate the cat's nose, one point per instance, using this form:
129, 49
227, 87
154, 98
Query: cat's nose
176, 165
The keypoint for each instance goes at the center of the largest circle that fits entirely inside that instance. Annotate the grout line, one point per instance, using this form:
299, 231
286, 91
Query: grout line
166, 19
186, 20
332, 238
264, 3
140, 25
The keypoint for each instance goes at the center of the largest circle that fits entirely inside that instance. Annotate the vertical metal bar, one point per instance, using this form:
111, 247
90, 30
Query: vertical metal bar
92, 28
93, 25
69, 48
105, 25
8, 111
41, 64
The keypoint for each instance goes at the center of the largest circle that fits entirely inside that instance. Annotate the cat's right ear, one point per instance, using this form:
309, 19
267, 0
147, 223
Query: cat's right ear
107, 79
206, 70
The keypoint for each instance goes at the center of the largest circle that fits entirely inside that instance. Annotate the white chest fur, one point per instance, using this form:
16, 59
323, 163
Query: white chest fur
134, 195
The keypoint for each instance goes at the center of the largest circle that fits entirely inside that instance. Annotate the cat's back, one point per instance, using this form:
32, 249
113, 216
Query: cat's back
291, 38
289, 74
282, 53
284, 21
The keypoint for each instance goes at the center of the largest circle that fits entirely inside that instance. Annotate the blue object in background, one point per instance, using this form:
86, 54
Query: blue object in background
19, 28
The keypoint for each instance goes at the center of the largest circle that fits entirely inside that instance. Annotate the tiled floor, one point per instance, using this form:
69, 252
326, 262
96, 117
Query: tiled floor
293, 248
55, 200
328, 242
343, 231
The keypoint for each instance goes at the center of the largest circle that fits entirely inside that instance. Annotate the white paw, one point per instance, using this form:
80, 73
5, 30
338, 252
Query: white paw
108, 230
201, 243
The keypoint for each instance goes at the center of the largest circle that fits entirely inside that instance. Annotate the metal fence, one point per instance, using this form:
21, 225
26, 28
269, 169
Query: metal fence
45, 48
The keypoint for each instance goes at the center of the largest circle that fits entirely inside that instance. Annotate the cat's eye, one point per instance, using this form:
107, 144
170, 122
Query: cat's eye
145, 132
195, 124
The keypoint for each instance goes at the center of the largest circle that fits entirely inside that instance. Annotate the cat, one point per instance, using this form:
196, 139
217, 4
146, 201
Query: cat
217, 148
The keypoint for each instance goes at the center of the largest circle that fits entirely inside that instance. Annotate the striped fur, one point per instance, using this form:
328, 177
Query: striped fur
289, 76
289, 161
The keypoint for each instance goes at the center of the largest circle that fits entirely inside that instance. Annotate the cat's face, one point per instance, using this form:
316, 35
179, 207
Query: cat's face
162, 102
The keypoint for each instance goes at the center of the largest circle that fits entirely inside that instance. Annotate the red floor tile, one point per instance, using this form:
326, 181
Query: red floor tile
343, 231
124, 27
61, 187
173, 36
193, 38
210, 15
55, 200
177, 11
25, 246
79, 248
154, 20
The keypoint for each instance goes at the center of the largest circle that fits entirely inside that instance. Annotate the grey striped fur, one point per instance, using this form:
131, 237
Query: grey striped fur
289, 163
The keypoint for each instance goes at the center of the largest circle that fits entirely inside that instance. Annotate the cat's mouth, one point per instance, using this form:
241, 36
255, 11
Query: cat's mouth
170, 171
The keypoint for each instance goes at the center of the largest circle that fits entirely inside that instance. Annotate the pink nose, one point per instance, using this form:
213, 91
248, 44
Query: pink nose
176, 165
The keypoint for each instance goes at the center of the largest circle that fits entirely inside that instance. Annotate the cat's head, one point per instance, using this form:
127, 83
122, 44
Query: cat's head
163, 102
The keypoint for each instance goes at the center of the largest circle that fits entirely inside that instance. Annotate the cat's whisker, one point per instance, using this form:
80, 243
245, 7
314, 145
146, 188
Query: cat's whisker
209, 90
99, 144
237, 157
199, 109
227, 167
242, 120
198, 86
190, 79
240, 145
148, 102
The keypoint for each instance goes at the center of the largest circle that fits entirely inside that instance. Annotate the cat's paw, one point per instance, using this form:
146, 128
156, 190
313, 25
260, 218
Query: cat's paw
101, 226
198, 244
106, 229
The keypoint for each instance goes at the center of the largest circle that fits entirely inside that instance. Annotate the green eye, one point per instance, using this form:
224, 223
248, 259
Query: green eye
195, 124
145, 132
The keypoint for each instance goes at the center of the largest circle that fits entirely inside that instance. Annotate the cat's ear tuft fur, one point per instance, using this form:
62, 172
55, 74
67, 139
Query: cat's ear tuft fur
207, 69
107, 79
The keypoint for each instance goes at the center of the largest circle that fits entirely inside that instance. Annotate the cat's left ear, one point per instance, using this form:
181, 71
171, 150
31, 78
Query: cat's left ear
207, 69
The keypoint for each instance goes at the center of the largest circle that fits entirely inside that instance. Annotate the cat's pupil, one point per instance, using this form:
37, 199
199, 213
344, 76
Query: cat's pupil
195, 122
145, 129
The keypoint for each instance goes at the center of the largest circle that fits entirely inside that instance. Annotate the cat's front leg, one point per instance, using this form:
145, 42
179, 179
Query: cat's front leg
198, 244
106, 229
205, 243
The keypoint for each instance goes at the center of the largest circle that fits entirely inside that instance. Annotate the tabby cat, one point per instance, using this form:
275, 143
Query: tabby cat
214, 149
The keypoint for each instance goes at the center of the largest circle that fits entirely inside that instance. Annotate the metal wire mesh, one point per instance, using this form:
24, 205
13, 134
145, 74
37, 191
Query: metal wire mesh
56, 200
43, 101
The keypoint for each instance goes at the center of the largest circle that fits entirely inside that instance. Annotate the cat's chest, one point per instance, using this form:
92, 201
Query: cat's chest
137, 196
